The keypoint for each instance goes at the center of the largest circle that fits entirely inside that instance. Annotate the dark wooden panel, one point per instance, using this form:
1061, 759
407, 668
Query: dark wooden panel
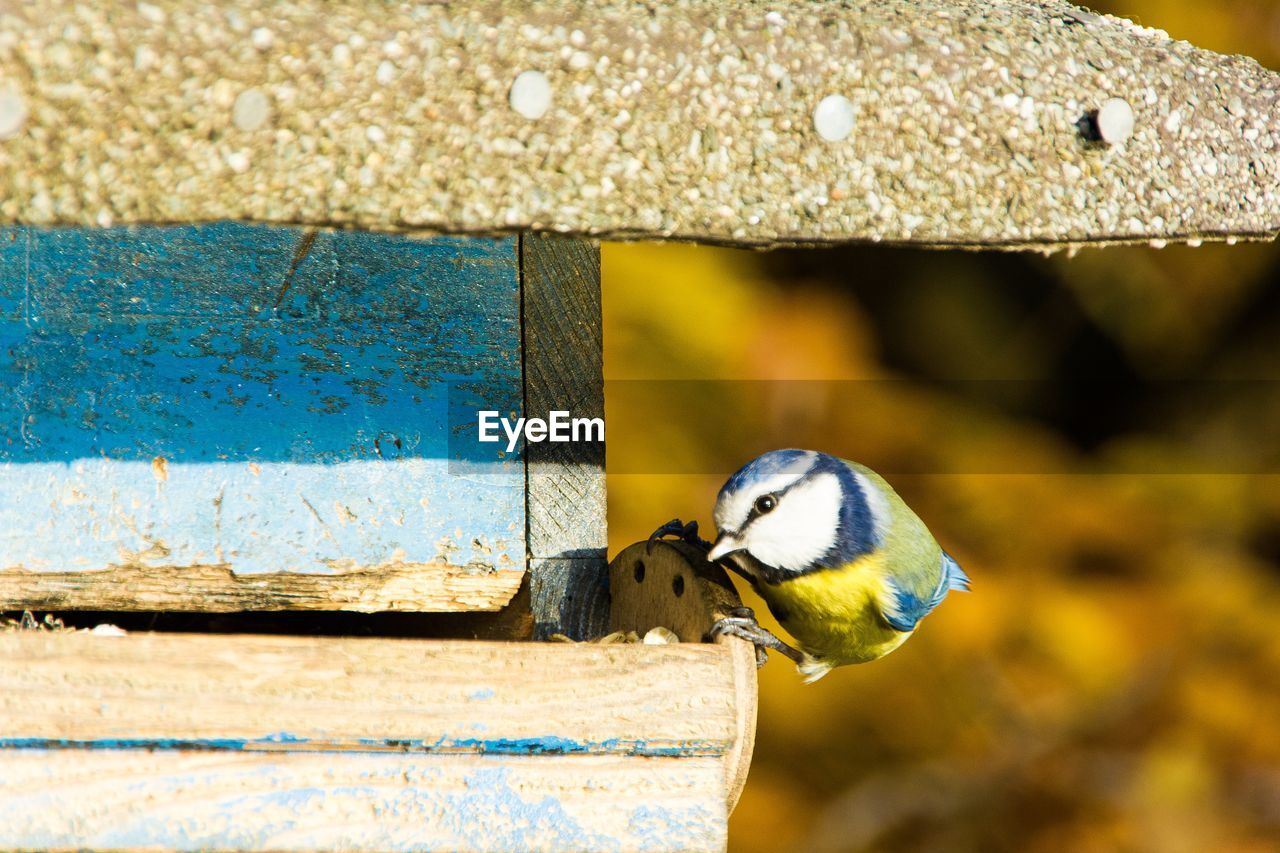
564, 371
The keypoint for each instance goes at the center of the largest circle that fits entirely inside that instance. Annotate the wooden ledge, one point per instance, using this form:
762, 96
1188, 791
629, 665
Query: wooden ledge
276, 694
188, 741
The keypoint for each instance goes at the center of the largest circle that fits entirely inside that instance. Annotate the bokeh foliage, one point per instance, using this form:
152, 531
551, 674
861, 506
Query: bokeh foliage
1113, 683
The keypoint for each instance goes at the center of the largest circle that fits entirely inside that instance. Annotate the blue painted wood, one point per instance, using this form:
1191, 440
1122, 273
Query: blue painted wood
201, 801
255, 397
283, 741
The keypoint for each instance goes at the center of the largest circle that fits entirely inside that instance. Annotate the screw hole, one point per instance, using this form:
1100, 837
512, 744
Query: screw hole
1087, 124
639, 571
677, 585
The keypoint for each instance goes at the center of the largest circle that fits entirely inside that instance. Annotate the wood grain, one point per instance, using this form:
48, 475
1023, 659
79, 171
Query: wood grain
303, 694
568, 597
436, 587
563, 370
184, 800
673, 586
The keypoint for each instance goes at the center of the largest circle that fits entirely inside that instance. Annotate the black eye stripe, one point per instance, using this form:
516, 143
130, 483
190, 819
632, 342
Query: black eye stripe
777, 497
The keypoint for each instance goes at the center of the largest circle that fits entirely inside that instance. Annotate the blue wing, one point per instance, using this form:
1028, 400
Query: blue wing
907, 609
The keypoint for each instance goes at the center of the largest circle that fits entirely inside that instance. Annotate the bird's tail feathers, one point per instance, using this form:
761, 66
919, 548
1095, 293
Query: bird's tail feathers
813, 668
955, 576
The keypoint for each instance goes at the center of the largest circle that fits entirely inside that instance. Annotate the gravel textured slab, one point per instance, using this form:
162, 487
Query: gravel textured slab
944, 123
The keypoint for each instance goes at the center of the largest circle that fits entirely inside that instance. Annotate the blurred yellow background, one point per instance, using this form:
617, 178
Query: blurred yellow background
1113, 682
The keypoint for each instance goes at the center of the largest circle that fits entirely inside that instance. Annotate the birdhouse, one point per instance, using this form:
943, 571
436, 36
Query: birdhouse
231, 417
279, 281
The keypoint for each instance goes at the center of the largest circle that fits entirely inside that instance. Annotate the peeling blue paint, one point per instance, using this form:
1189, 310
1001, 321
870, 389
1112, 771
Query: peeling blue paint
281, 737
493, 815
254, 397
387, 802
546, 745
674, 829
553, 745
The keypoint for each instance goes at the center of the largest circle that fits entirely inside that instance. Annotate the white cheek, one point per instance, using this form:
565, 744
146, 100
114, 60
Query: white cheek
801, 530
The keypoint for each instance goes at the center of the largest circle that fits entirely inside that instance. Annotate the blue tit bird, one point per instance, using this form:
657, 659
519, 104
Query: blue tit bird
842, 562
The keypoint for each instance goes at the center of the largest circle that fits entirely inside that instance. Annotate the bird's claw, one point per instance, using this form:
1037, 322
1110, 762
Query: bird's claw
684, 532
741, 622
738, 621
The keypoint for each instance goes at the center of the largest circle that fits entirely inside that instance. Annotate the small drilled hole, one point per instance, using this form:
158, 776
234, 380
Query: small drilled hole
677, 585
639, 571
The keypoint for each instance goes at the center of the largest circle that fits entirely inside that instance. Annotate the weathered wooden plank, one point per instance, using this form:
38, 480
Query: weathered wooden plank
183, 800
437, 586
564, 370
210, 412
290, 743
364, 695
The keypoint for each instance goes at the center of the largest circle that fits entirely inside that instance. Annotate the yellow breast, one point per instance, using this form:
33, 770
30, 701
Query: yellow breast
835, 614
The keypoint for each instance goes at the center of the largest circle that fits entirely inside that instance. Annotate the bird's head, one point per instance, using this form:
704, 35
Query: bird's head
793, 511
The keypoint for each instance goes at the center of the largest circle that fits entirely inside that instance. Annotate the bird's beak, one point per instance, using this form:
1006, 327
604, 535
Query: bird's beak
725, 545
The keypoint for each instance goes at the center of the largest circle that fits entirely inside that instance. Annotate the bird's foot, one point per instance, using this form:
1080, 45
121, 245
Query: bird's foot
678, 529
741, 622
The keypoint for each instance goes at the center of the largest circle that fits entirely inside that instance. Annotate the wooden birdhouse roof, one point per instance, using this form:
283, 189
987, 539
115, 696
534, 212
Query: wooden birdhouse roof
954, 122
